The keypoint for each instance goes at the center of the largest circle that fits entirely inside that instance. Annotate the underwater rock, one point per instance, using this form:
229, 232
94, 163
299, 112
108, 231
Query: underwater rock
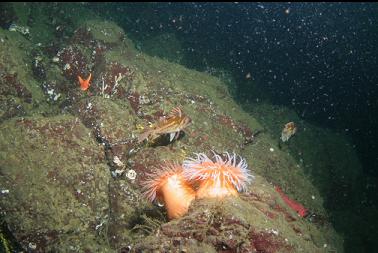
233, 225
38, 67
73, 63
112, 122
15, 98
57, 181
58, 170
86, 53
24, 30
12, 86
126, 205
106, 32
113, 75
16, 82
10, 107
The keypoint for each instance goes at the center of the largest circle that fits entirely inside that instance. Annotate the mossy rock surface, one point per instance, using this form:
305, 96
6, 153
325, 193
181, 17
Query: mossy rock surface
17, 84
245, 224
57, 180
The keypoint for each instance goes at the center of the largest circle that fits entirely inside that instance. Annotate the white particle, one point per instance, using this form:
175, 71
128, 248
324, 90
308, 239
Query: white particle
56, 97
32, 245
99, 225
67, 66
6, 191
273, 231
117, 161
55, 59
131, 174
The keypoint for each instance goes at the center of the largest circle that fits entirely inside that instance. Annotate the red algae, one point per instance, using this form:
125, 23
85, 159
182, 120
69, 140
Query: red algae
265, 242
14, 87
73, 63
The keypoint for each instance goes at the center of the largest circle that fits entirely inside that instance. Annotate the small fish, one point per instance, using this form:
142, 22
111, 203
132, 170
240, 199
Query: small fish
84, 84
172, 125
289, 130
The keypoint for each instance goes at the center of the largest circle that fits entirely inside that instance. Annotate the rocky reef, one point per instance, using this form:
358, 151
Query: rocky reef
71, 168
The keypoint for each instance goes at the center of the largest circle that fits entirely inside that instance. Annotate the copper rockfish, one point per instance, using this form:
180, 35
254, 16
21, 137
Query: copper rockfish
172, 125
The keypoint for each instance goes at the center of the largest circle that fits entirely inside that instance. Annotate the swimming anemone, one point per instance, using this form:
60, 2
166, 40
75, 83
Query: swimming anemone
168, 186
217, 177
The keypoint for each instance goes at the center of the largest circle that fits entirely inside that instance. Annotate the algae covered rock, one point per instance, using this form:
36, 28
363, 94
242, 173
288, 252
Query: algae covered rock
73, 181
105, 31
258, 221
20, 93
57, 182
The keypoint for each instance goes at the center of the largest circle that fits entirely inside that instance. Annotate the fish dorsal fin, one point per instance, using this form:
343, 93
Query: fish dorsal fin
175, 112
